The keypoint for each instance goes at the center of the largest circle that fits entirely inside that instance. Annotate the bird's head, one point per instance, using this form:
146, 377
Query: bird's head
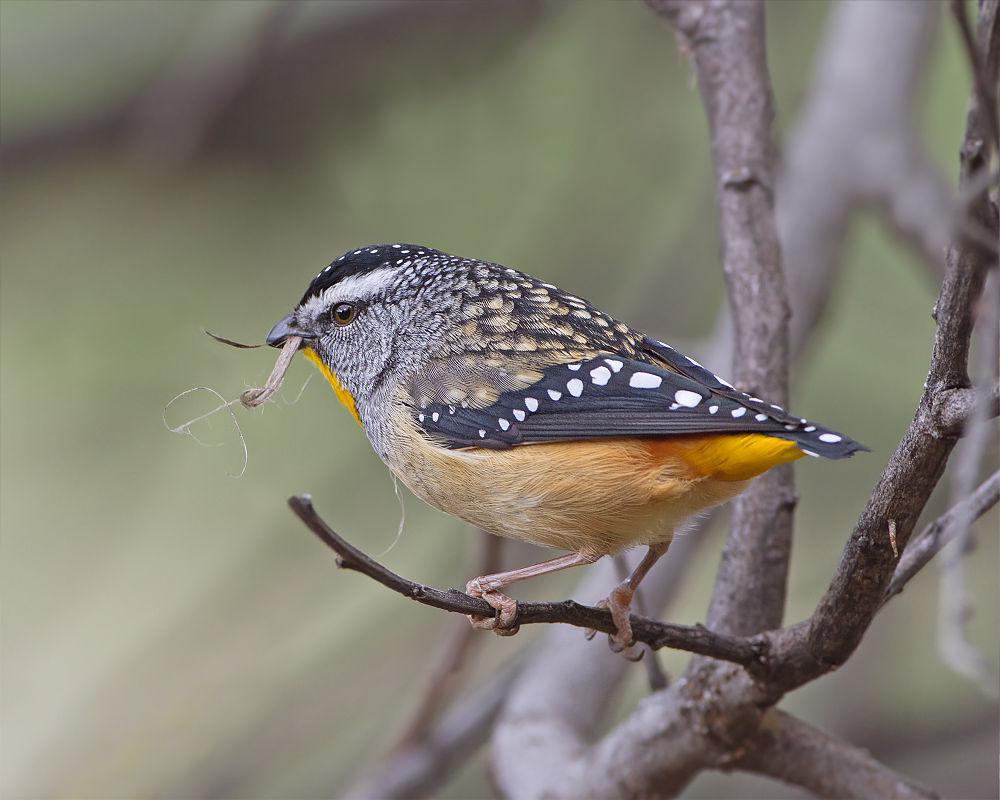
374, 316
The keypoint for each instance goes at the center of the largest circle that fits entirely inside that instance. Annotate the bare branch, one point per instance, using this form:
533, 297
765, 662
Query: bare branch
693, 638
727, 41
929, 542
824, 642
792, 751
953, 407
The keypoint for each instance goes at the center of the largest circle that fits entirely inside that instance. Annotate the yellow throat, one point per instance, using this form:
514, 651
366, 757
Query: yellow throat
343, 395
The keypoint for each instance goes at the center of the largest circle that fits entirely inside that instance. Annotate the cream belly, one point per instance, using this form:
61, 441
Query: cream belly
593, 497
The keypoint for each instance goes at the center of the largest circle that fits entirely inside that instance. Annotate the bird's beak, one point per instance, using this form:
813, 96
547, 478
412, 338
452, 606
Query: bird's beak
280, 332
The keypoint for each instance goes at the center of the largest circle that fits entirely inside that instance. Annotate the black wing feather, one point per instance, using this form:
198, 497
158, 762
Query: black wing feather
614, 396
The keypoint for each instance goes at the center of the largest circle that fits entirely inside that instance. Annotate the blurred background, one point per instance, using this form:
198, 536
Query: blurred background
171, 631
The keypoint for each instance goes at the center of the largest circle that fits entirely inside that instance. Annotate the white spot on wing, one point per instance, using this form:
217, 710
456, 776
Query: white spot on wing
713, 409
575, 387
614, 363
531, 404
600, 375
761, 417
504, 424
554, 394
519, 415
644, 380
687, 398
482, 433
739, 412
574, 367
831, 438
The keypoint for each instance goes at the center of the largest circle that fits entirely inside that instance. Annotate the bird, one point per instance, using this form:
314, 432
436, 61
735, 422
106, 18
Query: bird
526, 411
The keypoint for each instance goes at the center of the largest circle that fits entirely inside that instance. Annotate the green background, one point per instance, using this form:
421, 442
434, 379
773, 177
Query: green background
170, 631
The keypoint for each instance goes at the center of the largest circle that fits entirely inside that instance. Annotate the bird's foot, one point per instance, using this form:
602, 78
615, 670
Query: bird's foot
619, 603
504, 622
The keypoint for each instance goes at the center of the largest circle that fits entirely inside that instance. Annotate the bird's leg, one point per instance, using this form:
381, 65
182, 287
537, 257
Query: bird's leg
619, 603
488, 588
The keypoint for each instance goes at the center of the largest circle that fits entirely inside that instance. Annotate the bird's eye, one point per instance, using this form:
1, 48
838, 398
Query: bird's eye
344, 313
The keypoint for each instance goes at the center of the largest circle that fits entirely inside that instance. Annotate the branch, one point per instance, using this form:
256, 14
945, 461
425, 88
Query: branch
727, 41
953, 408
792, 751
827, 639
692, 638
930, 541
419, 768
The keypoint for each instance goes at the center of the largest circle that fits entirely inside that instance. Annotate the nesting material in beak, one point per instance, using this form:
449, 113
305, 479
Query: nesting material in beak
252, 398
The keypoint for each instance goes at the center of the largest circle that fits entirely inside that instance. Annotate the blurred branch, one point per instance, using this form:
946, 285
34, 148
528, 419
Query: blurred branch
421, 766
795, 752
939, 533
856, 142
954, 602
462, 638
258, 82
176, 115
828, 638
567, 686
983, 58
694, 639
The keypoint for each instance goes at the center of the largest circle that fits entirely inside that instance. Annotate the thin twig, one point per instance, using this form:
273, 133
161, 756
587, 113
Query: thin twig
692, 638
929, 542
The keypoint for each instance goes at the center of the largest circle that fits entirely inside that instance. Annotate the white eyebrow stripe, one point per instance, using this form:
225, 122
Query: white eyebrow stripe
354, 287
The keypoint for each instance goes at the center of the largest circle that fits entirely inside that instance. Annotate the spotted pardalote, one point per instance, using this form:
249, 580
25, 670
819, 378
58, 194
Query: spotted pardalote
524, 409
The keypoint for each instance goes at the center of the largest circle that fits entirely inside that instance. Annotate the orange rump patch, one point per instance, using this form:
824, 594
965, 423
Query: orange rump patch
725, 456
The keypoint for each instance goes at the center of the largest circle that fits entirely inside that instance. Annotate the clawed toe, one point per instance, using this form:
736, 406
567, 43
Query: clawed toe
505, 621
619, 603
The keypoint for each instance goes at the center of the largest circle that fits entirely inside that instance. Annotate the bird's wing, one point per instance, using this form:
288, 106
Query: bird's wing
613, 396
